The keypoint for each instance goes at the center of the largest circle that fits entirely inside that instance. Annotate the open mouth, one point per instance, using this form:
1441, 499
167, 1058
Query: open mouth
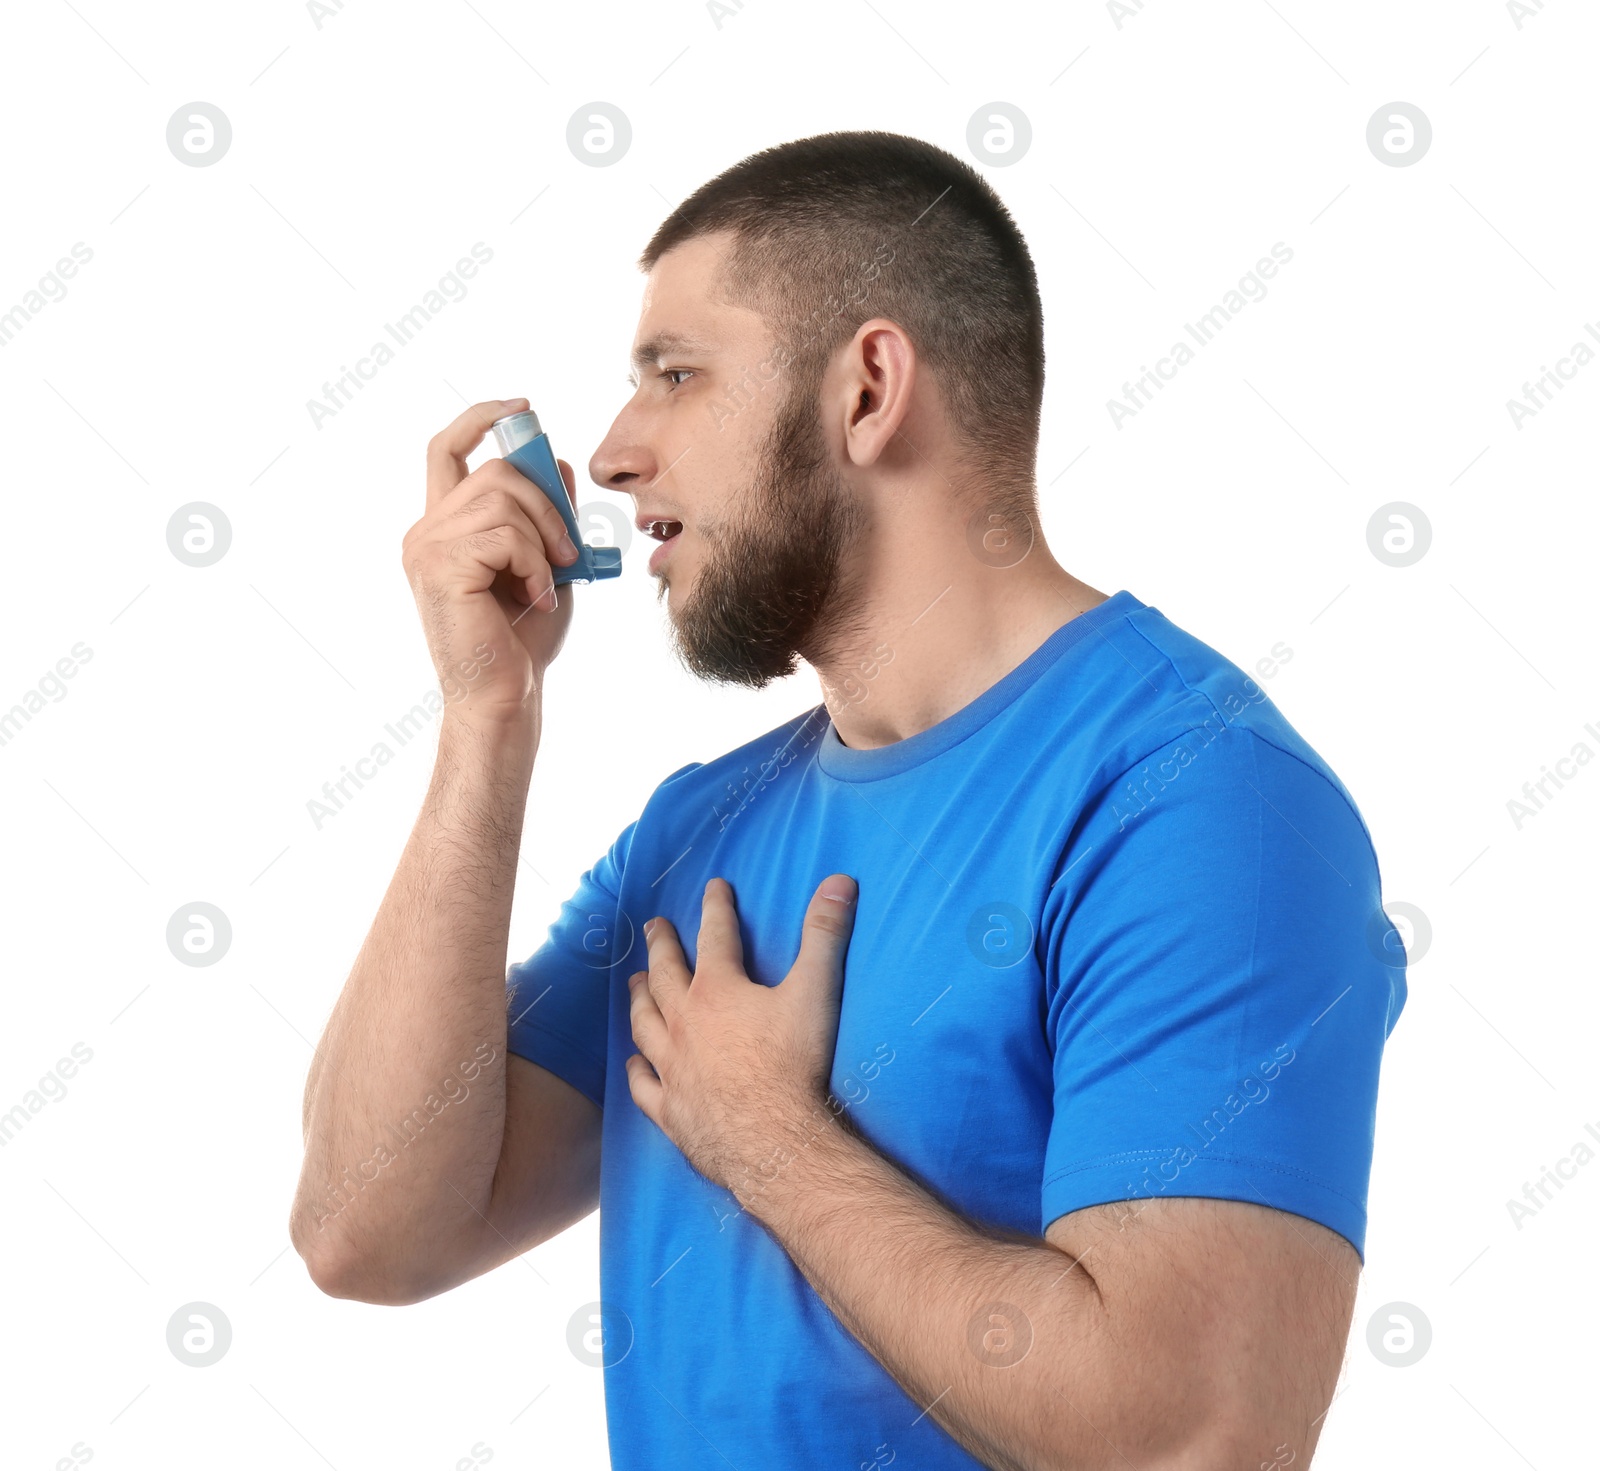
664, 531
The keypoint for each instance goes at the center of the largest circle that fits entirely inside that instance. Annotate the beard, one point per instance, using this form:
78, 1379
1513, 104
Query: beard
774, 586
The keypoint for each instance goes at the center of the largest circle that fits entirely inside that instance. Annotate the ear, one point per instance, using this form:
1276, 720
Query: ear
880, 373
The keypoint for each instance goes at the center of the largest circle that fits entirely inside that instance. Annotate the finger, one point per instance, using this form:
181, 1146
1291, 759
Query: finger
649, 1027
669, 975
570, 479
645, 1087
825, 936
496, 493
449, 448
540, 509
719, 942
502, 549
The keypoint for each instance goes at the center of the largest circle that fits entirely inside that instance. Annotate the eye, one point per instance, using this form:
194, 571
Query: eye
670, 372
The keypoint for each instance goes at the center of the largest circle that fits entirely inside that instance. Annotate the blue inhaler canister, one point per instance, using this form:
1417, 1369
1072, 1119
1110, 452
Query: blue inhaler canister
524, 445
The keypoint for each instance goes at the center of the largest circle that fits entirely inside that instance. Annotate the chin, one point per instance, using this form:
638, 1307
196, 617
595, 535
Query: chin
666, 586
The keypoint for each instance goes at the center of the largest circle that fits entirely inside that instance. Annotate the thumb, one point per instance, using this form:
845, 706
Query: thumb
825, 936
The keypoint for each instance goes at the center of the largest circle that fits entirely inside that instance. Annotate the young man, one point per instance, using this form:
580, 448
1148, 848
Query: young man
986, 1059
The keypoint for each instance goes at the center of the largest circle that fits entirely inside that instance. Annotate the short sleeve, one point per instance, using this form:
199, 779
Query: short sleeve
557, 999
1220, 984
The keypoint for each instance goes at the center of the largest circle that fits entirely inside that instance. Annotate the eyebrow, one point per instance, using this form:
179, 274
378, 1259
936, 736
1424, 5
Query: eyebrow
662, 345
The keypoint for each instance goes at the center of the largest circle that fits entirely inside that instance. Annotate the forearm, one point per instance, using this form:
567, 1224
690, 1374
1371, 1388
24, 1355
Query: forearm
404, 1107
1002, 1339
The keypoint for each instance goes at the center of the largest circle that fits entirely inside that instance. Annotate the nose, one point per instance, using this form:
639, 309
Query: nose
624, 462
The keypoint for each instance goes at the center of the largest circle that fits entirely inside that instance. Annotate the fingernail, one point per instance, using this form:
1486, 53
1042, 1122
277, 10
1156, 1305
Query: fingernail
649, 925
566, 545
841, 892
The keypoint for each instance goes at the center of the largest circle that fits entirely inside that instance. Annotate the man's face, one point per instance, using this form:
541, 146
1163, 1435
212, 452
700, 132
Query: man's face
723, 447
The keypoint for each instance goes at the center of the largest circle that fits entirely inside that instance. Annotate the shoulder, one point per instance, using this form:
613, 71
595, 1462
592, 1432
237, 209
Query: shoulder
718, 780
1181, 700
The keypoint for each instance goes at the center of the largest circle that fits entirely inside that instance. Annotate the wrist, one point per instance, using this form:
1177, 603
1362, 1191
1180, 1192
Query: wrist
502, 739
807, 1133
498, 723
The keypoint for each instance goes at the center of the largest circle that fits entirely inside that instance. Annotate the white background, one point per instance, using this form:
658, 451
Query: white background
1169, 154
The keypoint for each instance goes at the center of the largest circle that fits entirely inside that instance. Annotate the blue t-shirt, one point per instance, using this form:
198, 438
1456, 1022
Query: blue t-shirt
1119, 936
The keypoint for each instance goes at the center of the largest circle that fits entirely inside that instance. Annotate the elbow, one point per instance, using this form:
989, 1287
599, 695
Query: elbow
339, 1271
1203, 1438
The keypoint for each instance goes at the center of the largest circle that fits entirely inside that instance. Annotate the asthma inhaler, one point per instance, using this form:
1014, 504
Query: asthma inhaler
525, 445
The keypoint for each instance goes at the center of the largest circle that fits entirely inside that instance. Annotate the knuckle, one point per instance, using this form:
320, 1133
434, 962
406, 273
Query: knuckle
503, 503
480, 545
500, 476
417, 560
830, 926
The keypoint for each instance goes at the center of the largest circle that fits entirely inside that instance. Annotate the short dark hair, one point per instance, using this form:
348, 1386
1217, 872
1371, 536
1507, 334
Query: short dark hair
810, 218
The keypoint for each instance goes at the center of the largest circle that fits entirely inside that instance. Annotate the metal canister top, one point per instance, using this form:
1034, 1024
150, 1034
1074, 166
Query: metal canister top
516, 430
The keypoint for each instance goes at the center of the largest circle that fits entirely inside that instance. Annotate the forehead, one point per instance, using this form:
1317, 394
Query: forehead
684, 309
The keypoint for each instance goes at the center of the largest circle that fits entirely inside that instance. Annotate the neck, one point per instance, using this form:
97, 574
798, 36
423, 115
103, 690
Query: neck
932, 624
